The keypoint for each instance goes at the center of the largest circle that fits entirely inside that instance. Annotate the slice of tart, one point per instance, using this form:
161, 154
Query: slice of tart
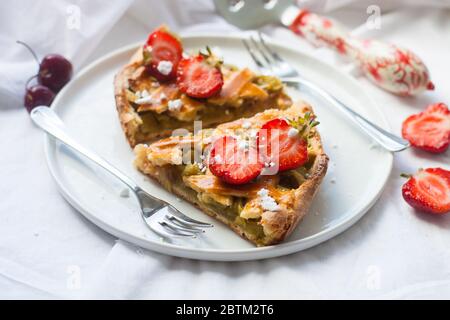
162, 89
258, 175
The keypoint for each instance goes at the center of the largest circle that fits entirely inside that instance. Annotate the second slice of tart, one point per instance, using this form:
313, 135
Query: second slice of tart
266, 208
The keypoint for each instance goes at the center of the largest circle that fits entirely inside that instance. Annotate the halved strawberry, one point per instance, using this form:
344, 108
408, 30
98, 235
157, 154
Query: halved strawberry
429, 130
234, 162
282, 144
162, 54
428, 190
198, 78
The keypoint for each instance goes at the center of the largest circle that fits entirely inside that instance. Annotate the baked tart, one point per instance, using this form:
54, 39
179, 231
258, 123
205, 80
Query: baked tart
162, 89
258, 175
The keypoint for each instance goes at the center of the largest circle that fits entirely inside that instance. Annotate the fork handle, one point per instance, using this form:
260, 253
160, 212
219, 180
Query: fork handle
384, 138
46, 119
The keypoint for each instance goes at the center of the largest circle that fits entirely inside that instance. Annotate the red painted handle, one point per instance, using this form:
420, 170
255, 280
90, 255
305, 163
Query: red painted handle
392, 68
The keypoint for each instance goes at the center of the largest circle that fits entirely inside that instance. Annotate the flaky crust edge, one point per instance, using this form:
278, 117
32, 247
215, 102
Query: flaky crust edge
128, 117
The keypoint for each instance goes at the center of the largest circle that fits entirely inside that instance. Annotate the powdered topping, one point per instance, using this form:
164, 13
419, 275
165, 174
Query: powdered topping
165, 67
175, 105
267, 202
246, 125
145, 100
162, 96
292, 132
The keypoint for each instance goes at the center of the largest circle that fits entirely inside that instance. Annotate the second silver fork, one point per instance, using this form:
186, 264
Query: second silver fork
160, 216
270, 62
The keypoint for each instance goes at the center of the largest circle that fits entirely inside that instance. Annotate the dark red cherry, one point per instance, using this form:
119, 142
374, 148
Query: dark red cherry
38, 95
54, 72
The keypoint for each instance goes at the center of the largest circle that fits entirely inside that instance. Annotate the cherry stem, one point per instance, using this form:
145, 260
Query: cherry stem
406, 175
28, 81
29, 49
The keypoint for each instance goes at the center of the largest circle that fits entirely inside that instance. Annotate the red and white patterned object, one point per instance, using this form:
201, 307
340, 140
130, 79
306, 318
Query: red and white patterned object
394, 69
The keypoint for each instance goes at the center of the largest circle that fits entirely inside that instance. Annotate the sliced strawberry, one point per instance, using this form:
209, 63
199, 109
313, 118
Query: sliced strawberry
429, 130
232, 162
199, 79
162, 54
429, 190
278, 145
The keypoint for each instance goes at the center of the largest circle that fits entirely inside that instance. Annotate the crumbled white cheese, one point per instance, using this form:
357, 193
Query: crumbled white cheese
253, 134
162, 96
144, 93
155, 85
292, 132
175, 105
149, 48
267, 202
263, 192
138, 94
144, 100
165, 67
246, 124
125, 193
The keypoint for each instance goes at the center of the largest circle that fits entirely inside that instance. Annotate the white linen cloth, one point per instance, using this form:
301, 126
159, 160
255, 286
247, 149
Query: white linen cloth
48, 250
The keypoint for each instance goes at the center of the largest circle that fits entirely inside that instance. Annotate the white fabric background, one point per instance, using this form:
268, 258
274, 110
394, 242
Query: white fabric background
48, 250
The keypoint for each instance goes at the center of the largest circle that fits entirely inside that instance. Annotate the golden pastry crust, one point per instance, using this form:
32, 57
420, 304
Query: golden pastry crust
129, 119
132, 119
294, 203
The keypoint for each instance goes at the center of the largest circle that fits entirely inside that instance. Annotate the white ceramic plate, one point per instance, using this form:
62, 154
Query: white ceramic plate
357, 174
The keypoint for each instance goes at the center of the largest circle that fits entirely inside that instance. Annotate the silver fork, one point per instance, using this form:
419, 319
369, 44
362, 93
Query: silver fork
159, 215
270, 62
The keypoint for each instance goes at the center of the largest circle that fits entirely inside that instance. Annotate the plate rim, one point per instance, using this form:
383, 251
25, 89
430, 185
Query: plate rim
211, 254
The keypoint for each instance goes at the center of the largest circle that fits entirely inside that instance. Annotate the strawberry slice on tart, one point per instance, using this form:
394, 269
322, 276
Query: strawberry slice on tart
162, 54
283, 143
200, 76
428, 190
220, 171
430, 129
235, 162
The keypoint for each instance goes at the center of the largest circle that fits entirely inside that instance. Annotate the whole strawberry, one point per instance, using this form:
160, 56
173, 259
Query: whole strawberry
428, 190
